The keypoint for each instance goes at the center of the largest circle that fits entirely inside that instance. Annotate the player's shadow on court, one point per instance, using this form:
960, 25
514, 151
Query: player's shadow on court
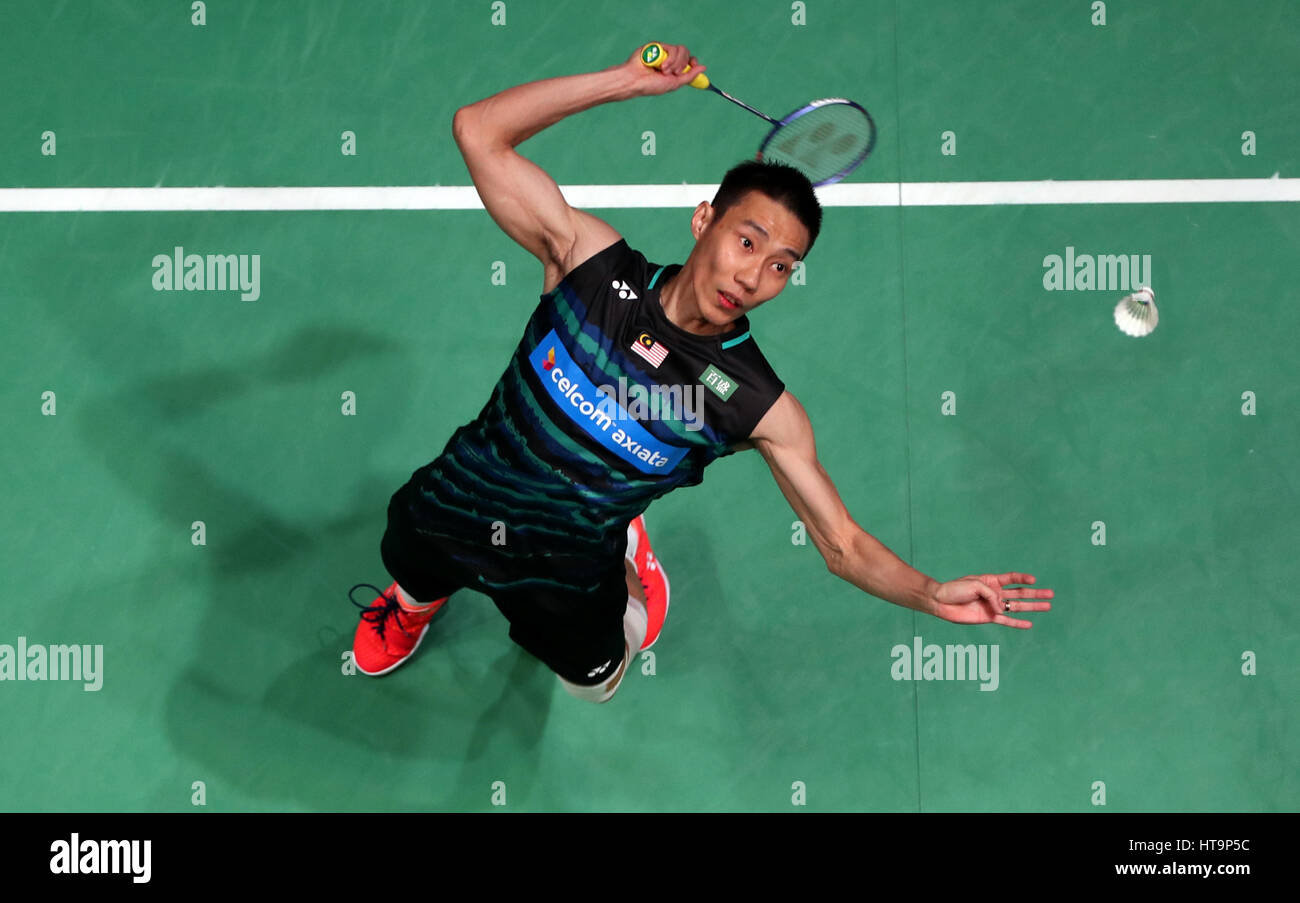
425, 740
260, 704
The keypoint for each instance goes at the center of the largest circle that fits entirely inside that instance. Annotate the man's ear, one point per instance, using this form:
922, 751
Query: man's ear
701, 218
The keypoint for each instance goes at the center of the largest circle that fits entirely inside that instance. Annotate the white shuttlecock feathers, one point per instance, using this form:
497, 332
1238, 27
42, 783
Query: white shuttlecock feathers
1136, 314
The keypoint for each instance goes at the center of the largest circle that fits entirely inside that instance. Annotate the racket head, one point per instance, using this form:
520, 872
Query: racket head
826, 139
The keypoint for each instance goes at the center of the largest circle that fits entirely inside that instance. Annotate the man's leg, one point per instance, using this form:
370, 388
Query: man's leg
634, 629
394, 625
638, 619
634, 587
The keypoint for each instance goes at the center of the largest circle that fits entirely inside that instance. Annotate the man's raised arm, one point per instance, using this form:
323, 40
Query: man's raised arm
523, 200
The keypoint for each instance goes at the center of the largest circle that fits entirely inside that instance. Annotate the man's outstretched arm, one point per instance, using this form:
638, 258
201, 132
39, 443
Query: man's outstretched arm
523, 200
784, 437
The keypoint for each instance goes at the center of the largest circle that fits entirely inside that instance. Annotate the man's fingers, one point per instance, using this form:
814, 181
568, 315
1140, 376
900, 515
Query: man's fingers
680, 64
1033, 606
1014, 577
677, 58
694, 70
1017, 592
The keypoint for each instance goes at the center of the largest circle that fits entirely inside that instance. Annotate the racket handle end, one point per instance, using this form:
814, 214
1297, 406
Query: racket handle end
653, 55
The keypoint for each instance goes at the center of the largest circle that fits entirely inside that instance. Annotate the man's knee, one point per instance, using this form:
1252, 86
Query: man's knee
600, 692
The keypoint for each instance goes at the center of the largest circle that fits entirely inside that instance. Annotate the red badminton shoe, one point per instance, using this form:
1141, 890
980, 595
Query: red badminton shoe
652, 577
388, 634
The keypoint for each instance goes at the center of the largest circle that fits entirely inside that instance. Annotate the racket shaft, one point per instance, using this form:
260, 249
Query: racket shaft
739, 103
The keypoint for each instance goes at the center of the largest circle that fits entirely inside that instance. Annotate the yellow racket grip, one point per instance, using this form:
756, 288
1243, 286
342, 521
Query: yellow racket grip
654, 55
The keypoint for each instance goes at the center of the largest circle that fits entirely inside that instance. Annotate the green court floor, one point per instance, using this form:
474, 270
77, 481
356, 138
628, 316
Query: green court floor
973, 420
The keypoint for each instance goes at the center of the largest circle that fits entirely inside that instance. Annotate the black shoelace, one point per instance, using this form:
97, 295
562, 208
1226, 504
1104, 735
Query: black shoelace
378, 615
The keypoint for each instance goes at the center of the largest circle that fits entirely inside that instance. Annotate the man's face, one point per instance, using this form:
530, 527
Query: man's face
744, 257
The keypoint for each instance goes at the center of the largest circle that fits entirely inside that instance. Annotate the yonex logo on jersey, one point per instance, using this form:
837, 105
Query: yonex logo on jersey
624, 291
601, 670
720, 383
648, 348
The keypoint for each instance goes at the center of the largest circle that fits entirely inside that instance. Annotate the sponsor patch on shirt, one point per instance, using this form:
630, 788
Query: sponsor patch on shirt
595, 412
720, 383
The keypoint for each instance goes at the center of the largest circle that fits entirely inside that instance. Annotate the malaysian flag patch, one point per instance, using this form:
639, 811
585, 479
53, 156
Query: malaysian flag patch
649, 349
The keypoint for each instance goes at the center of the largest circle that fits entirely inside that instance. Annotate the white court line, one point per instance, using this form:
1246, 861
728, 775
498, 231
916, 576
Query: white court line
455, 197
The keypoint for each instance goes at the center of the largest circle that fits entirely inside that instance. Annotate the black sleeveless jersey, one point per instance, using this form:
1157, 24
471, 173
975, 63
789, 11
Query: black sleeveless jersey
605, 406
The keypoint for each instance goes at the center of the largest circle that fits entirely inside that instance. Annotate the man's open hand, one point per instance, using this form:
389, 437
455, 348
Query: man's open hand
984, 599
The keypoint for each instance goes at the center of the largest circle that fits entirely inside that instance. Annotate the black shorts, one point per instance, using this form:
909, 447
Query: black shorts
573, 631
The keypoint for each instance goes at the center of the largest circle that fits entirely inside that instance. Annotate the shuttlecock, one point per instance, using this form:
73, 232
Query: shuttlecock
1136, 314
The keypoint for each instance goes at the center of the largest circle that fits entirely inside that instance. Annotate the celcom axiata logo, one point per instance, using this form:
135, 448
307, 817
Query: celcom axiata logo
589, 408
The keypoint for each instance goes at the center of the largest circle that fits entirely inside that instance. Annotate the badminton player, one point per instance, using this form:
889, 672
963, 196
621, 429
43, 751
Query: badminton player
631, 377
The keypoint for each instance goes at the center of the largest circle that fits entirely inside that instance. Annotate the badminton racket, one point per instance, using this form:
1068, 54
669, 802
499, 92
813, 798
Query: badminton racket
825, 139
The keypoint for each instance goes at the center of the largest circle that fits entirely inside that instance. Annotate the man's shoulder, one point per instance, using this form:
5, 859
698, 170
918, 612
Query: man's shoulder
743, 348
617, 265
784, 422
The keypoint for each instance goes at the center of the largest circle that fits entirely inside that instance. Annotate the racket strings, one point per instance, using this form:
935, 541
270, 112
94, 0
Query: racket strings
824, 141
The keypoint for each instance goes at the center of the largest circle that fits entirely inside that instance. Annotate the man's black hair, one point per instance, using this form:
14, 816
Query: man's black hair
783, 184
